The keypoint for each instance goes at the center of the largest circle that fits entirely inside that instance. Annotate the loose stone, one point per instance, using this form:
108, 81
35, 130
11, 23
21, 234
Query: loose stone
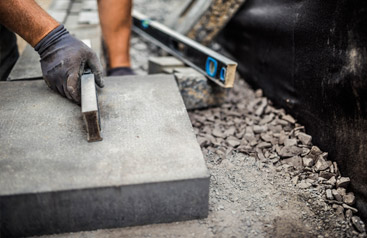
343, 182
354, 210
329, 195
304, 138
315, 152
289, 119
322, 164
349, 199
289, 151
332, 181
307, 161
290, 142
326, 175
358, 224
304, 185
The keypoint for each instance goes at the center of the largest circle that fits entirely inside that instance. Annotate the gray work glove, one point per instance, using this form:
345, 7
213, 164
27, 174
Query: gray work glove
63, 60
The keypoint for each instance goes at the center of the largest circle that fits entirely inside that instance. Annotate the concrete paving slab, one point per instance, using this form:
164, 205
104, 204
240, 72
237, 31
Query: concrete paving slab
90, 5
58, 15
196, 90
76, 7
60, 5
72, 20
89, 32
148, 169
88, 17
158, 65
27, 66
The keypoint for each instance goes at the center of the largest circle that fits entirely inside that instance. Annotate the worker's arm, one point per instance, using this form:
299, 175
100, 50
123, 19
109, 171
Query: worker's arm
27, 19
63, 57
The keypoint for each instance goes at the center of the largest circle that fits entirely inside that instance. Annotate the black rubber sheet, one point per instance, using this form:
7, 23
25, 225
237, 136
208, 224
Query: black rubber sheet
310, 57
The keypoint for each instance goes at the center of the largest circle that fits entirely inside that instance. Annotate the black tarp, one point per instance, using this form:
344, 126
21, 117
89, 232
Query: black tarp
310, 57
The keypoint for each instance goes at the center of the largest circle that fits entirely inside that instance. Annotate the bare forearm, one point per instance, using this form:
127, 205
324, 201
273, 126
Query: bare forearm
27, 19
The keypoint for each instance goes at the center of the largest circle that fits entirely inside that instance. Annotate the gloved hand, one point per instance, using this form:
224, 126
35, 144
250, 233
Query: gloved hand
63, 60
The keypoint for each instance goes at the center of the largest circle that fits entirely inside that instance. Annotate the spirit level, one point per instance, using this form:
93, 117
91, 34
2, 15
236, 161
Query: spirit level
215, 66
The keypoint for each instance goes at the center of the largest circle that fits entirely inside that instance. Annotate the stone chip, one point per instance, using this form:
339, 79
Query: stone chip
358, 224
308, 161
329, 194
295, 161
349, 199
289, 151
343, 182
304, 138
290, 142
322, 164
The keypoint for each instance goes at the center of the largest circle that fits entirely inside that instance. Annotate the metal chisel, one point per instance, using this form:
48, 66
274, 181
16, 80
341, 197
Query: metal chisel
89, 107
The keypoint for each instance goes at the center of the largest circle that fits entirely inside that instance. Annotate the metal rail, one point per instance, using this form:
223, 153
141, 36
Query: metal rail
215, 66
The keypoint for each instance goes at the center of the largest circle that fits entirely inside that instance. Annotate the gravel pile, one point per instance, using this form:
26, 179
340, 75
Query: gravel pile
248, 123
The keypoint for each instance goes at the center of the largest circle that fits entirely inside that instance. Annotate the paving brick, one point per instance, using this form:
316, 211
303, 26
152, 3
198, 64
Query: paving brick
90, 5
60, 5
148, 168
58, 15
72, 20
196, 90
27, 66
76, 7
158, 65
88, 17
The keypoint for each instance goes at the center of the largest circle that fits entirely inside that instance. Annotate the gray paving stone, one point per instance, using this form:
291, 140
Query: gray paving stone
76, 7
89, 32
72, 20
196, 90
27, 66
148, 168
90, 5
58, 15
60, 5
158, 65
88, 17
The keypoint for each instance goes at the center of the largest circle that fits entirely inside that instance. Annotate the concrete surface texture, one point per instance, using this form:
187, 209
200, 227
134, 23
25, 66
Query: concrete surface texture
64, 183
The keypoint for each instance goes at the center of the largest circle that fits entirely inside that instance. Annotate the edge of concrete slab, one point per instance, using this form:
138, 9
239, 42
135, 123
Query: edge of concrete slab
69, 211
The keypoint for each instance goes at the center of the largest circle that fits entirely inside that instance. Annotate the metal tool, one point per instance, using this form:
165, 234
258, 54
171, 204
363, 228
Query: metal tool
89, 107
215, 66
